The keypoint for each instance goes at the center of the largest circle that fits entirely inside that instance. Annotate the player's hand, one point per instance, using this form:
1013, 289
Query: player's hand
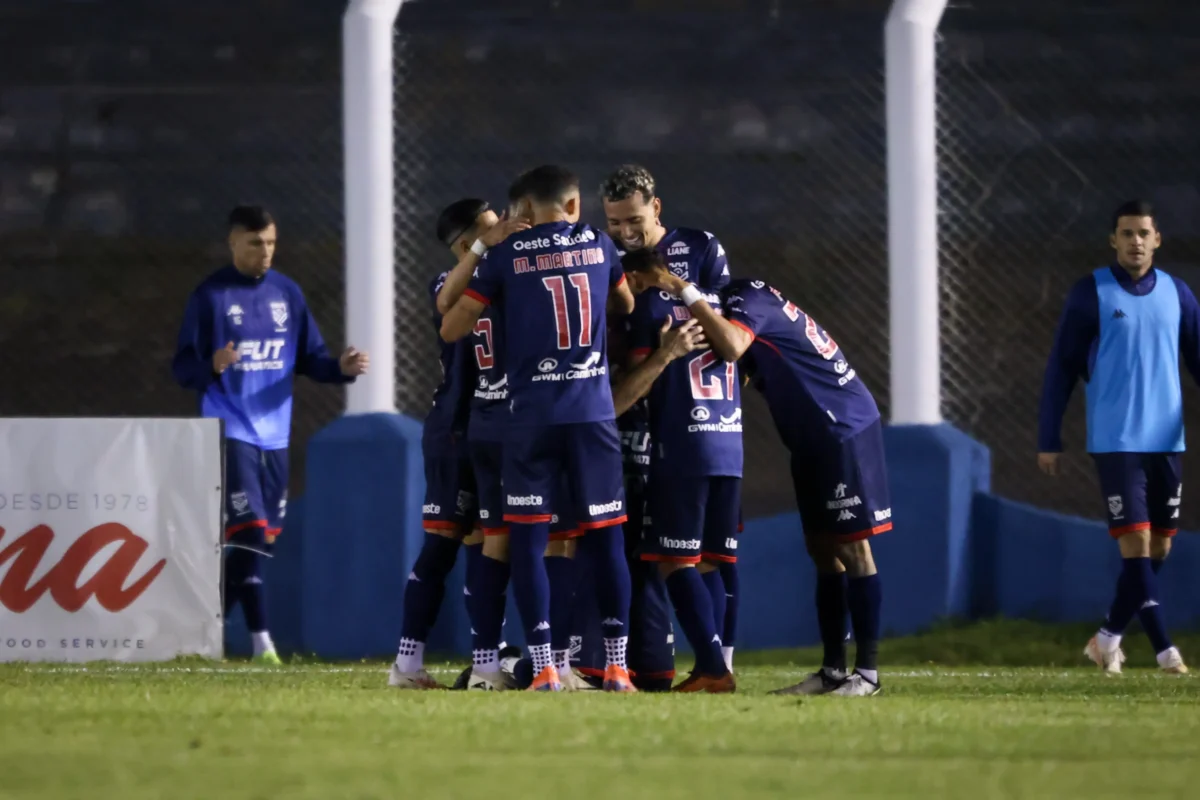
223, 358
502, 230
1048, 463
678, 342
661, 278
354, 363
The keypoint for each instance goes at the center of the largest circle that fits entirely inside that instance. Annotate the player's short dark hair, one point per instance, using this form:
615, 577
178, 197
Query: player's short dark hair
646, 259
251, 218
548, 183
458, 218
1133, 208
626, 181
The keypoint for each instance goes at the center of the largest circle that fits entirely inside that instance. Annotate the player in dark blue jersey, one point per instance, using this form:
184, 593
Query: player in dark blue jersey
555, 283
450, 509
829, 421
634, 214
246, 331
1123, 331
695, 475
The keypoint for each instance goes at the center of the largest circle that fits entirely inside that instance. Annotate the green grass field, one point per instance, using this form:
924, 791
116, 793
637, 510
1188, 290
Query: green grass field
996, 710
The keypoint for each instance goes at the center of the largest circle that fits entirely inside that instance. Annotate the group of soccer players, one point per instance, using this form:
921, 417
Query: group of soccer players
585, 446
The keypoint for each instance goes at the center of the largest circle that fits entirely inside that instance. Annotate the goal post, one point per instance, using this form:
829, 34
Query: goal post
910, 75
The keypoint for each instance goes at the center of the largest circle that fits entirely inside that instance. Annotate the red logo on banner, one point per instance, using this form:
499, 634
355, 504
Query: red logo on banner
107, 585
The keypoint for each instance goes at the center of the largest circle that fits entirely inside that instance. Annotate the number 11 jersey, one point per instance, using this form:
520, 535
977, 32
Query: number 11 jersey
552, 282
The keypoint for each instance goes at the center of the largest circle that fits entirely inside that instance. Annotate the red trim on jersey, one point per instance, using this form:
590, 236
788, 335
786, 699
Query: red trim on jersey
501, 531
661, 559
528, 519
719, 557
1167, 532
1136, 527
273, 534
603, 523
619, 280
761, 340
858, 536
563, 536
637, 352
254, 523
474, 295
744, 327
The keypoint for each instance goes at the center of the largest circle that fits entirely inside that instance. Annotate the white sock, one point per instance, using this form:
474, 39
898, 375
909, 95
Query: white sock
1108, 642
727, 654
262, 642
411, 657
871, 675
562, 659
542, 658
485, 661
614, 651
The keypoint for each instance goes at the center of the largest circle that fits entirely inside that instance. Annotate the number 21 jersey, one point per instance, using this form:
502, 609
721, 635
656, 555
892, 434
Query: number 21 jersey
552, 283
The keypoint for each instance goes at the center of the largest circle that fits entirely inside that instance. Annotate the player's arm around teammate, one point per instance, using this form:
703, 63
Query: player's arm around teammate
1123, 330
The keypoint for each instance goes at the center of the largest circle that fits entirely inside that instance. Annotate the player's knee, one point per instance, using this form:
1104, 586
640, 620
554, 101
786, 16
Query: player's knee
474, 538
1134, 544
857, 558
706, 566
457, 534
666, 568
1160, 547
562, 548
495, 546
823, 552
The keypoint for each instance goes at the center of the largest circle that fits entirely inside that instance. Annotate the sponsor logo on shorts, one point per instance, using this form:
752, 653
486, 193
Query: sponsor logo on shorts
605, 508
678, 544
483, 513
840, 500
1116, 506
880, 516
731, 543
431, 508
526, 500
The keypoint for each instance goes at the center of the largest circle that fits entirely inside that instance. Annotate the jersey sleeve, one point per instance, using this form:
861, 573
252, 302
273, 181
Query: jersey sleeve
1078, 327
617, 274
745, 308
714, 268
434, 288
642, 332
313, 358
192, 364
1189, 328
486, 283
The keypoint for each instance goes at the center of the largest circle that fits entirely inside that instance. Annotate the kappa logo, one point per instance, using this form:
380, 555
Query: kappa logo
235, 313
111, 583
279, 314
679, 249
845, 515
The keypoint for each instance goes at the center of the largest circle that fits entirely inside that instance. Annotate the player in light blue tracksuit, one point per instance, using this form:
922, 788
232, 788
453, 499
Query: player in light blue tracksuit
246, 331
1123, 331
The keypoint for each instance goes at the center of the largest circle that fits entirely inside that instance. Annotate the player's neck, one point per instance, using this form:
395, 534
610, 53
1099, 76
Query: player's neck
1134, 271
655, 235
549, 217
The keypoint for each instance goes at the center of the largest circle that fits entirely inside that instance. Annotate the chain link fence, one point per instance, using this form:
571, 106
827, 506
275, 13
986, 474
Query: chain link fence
125, 138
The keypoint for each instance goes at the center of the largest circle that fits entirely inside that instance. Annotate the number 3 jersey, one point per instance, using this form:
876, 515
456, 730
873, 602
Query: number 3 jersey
809, 386
551, 284
696, 404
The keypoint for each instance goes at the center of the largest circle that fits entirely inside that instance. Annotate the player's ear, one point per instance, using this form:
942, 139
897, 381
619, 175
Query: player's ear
656, 204
1112, 241
571, 206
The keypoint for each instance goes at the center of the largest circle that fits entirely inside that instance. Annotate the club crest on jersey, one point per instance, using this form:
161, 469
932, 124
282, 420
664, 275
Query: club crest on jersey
678, 249
279, 314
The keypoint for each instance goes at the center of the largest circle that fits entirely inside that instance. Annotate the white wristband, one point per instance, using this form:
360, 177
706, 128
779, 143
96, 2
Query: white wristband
479, 248
690, 295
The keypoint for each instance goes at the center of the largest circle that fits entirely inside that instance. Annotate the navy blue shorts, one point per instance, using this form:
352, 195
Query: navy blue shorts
450, 503
256, 483
588, 454
487, 459
693, 517
1141, 491
842, 486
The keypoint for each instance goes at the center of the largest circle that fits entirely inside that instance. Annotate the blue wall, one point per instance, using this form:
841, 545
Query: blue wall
336, 584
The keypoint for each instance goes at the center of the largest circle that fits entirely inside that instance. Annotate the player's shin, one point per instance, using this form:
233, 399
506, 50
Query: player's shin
714, 583
561, 573
244, 580
729, 577
693, 607
831, 620
531, 588
606, 549
488, 601
423, 595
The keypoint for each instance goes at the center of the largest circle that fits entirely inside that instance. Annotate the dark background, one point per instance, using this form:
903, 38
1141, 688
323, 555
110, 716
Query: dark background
128, 129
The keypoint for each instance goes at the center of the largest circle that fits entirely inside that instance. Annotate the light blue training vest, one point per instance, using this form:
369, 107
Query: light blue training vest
1134, 399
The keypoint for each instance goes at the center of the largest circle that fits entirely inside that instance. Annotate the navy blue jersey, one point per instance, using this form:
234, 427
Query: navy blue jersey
275, 337
696, 404
451, 399
551, 283
695, 256
809, 385
489, 401
634, 424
